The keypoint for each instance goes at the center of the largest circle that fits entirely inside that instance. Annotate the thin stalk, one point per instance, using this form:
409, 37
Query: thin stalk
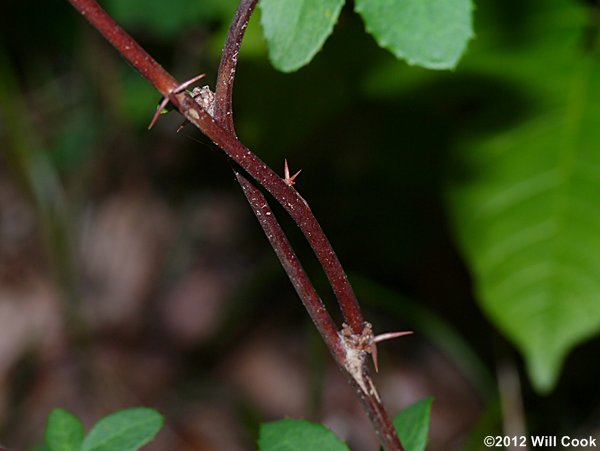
227, 67
351, 361
348, 357
350, 346
292, 266
293, 203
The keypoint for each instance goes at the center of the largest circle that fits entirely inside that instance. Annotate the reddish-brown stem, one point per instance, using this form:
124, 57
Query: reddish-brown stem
379, 417
309, 226
292, 266
287, 196
294, 204
342, 351
126, 45
222, 133
275, 234
229, 57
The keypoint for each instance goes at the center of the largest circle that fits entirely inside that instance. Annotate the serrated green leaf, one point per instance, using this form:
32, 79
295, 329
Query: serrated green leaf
412, 425
526, 213
64, 431
429, 33
126, 430
298, 435
296, 30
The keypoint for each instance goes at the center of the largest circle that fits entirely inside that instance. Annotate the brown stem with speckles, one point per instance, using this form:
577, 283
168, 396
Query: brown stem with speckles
305, 218
292, 266
347, 348
350, 359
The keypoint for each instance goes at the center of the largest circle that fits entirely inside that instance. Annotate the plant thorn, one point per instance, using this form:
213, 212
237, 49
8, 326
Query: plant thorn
286, 174
165, 100
380, 338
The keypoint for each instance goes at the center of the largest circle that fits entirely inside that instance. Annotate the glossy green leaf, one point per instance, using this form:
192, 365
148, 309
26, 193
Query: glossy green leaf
428, 33
64, 431
525, 208
412, 425
296, 30
126, 430
298, 435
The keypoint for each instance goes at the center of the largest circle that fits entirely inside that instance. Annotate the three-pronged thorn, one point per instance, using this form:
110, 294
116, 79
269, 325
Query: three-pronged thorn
286, 174
165, 100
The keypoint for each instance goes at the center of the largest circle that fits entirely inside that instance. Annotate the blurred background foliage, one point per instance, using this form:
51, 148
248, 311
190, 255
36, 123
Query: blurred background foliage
132, 271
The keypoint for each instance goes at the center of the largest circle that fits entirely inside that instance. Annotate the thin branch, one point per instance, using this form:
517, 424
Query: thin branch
126, 45
306, 291
349, 350
307, 223
229, 58
266, 218
350, 347
293, 203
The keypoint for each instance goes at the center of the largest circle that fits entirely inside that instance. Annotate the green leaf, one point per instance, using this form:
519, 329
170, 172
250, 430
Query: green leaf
412, 425
525, 209
64, 431
297, 435
296, 30
126, 430
428, 33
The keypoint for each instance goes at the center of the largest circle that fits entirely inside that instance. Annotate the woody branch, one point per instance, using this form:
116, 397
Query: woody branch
350, 347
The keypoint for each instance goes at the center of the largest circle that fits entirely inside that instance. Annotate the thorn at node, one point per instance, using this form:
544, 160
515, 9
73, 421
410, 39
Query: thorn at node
383, 337
286, 174
165, 99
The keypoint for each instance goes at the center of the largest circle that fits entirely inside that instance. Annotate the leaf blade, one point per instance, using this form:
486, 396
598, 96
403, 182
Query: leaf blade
295, 30
64, 431
412, 424
298, 435
125, 430
527, 222
428, 33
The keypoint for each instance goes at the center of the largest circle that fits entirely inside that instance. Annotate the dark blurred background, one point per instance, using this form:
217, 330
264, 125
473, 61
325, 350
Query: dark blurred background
132, 271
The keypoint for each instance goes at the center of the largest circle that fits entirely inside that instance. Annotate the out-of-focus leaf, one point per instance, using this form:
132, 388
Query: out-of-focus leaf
428, 33
168, 18
296, 30
73, 146
64, 431
126, 430
298, 435
139, 99
412, 425
525, 207
40, 447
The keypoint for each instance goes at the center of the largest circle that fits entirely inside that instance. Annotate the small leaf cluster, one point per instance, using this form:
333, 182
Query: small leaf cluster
125, 430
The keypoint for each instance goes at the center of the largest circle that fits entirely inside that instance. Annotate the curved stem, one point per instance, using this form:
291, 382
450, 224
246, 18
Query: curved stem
349, 355
229, 58
305, 289
293, 203
302, 213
